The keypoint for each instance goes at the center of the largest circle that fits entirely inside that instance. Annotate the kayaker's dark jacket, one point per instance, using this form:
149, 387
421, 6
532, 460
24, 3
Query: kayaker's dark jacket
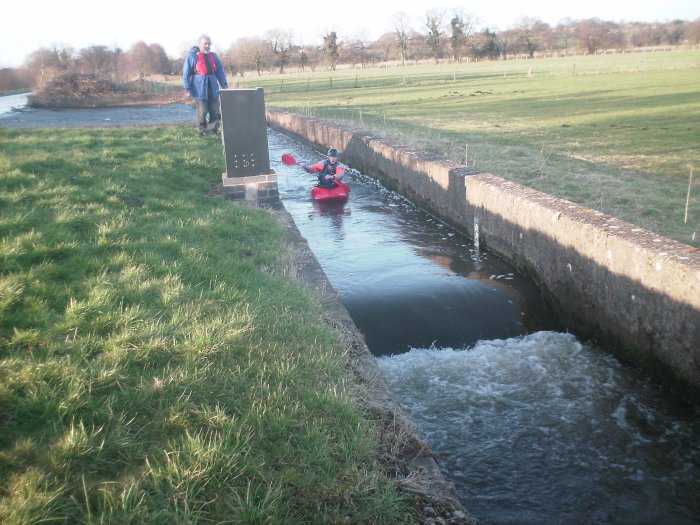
201, 71
325, 168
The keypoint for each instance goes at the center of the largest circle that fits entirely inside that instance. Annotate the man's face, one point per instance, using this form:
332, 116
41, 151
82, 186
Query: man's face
333, 159
205, 45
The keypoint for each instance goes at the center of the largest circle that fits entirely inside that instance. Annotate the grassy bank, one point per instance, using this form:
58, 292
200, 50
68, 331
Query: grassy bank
617, 133
158, 363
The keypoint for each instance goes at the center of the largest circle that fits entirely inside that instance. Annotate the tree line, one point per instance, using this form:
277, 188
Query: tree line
442, 36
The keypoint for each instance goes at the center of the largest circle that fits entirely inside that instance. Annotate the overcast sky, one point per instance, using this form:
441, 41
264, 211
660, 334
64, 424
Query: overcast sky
25, 27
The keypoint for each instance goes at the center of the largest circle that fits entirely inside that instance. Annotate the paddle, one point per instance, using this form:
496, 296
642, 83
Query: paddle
288, 159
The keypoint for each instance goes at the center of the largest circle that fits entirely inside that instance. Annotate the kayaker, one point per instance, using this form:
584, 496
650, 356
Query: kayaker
327, 169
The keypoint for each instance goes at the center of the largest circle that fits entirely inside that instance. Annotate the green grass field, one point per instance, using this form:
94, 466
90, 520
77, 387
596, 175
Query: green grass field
159, 363
618, 133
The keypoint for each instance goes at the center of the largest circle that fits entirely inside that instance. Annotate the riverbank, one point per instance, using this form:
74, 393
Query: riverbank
116, 116
106, 101
24, 91
79, 90
174, 355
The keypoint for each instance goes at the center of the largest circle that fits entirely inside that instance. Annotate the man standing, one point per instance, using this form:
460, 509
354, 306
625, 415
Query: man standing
202, 73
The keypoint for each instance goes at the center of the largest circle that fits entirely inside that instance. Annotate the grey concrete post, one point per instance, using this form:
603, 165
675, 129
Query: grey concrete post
248, 175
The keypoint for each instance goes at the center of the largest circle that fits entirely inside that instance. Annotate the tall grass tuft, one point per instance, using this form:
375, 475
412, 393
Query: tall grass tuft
157, 363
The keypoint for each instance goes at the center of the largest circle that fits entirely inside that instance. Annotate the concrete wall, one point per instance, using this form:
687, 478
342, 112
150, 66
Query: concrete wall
633, 291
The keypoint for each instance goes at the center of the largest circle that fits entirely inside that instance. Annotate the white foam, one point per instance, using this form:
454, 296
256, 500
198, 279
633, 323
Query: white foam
544, 405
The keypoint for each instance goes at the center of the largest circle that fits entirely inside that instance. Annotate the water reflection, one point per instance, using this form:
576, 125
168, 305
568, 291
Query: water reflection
334, 212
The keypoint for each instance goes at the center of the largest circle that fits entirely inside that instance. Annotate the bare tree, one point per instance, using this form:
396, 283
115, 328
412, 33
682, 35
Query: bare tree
507, 42
251, 54
531, 33
47, 63
12, 79
314, 57
118, 64
614, 36
276, 49
638, 34
591, 34
434, 39
693, 32
96, 60
401, 36
139, 59
563, 35
675, 31
358, 50
158, 60
280, 41
303, 58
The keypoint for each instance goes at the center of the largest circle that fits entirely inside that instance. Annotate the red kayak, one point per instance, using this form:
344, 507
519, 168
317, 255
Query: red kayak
338, 193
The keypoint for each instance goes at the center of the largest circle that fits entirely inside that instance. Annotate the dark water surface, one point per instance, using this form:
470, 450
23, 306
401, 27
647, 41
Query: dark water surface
532, 425
407, 280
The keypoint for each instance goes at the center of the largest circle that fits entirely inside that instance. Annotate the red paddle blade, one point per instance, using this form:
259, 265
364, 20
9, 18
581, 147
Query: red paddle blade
288, 159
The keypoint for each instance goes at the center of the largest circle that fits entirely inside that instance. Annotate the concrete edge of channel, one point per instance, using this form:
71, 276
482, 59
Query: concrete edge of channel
634, 291
417, 469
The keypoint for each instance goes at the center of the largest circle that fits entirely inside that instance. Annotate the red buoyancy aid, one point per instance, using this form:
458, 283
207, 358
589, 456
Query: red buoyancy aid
201, 66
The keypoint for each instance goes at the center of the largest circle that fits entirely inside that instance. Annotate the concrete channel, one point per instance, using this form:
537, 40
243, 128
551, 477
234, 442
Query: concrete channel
628, 288
487, 409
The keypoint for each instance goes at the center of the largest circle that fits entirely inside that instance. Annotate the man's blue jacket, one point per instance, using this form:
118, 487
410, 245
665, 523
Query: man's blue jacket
195, 82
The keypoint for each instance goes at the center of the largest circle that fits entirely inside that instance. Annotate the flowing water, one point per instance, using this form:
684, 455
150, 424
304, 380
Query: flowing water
15, 114
531, 425
9, 103
544, 429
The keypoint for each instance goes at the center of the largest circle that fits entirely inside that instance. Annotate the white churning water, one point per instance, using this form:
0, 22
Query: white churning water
544, 429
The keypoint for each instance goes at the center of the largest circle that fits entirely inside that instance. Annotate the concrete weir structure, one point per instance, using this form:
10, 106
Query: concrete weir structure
626, 287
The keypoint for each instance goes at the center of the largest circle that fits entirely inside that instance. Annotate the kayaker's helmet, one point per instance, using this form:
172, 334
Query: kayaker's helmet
332, 152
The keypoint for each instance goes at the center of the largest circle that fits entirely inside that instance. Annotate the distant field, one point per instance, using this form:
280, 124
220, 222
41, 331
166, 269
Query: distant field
618, 133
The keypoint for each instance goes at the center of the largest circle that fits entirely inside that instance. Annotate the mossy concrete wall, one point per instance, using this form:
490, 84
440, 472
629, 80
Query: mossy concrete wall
634, 291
